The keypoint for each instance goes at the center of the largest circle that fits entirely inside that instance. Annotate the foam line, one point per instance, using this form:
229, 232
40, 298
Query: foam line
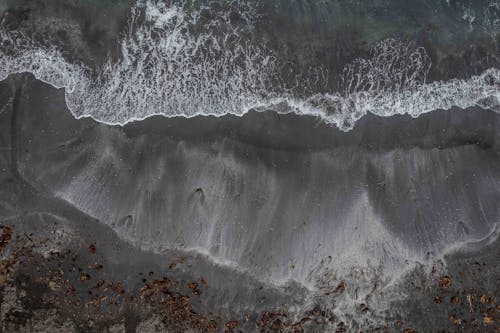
167, 69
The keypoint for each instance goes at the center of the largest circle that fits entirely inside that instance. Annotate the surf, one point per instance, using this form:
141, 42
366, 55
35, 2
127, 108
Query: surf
167, 67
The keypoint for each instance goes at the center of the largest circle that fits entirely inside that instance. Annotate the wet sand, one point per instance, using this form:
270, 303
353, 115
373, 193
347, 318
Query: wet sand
143, 197
259, 223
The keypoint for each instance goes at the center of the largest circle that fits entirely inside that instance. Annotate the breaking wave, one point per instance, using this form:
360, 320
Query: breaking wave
180, 60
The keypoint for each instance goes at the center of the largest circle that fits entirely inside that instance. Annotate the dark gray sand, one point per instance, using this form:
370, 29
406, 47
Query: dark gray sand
105, 260
262, 222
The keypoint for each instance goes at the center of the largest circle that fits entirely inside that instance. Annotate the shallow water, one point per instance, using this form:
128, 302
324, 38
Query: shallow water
335, 160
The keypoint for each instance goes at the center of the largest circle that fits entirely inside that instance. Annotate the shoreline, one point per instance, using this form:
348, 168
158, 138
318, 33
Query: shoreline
122, 175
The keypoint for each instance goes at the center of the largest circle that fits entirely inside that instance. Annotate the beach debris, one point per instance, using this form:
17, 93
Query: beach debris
170, 299
469, 301
445, 282
95, 267
202, 282
84, 277
194, 288
178, 261
99, 284
5, 237
212, 326
231, 325
340, 288
162, 285
363, 307
341, 328
54, 285
455, 320
485, 299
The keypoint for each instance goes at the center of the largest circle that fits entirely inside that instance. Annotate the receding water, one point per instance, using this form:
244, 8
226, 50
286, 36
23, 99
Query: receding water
314, 148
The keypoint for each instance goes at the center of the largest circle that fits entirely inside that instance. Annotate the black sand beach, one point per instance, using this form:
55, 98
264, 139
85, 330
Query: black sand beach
249, 166
49, 148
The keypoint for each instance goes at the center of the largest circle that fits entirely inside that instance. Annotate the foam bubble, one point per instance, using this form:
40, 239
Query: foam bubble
168, 67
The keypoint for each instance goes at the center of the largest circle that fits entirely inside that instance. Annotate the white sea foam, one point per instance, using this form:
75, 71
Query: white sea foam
166, 68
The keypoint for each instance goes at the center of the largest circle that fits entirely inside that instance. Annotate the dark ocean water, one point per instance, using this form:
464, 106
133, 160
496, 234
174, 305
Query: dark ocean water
335, 160
334, 60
